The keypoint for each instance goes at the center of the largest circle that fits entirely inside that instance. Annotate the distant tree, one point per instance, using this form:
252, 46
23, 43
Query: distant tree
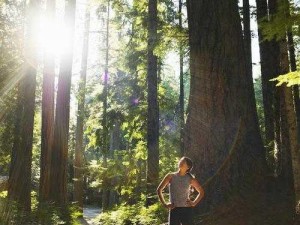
47, 113
153, 107
181, 85
79, 148
105, 130
269, 50
58, 173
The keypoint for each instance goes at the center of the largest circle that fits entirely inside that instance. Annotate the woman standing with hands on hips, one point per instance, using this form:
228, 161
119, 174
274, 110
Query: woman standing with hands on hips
180, 182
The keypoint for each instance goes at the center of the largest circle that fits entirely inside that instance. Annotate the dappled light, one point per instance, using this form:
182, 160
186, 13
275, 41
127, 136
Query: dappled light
146, 112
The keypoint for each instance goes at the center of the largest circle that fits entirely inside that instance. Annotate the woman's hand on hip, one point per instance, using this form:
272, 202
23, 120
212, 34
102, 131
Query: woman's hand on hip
170, 206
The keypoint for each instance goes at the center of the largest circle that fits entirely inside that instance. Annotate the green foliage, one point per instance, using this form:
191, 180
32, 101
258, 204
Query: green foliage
289, 79
286, 18
133, 215
259, 104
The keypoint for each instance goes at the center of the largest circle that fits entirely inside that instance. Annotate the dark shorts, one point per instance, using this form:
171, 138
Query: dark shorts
181, 216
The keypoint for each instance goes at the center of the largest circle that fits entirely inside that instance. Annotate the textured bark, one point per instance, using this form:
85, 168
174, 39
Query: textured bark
79, 148
289, 134
19, 183
58, 175
47, 131
153, 108
221, 101
294, 146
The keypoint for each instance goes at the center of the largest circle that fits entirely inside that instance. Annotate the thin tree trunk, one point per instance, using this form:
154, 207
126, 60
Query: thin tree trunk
153, 108
79, 149
47, 131
181, 96
59, 159
105, 194
247, 35
269, 51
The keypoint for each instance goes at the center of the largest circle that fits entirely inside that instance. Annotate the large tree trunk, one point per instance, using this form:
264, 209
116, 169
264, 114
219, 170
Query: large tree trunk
290, 145
153, 108
222, 123
58, 174
79, 149
19, 184
47, 131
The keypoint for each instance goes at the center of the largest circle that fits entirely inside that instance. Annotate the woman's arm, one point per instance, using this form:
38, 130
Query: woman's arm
161, 187
195, 184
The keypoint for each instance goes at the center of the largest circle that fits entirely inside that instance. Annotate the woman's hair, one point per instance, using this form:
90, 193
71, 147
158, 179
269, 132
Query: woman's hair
189, 162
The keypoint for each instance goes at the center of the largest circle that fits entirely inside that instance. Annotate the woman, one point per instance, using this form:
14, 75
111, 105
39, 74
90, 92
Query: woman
180, 182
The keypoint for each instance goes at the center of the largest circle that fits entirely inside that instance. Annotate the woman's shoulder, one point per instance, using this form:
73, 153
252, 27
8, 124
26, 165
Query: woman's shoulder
192, 176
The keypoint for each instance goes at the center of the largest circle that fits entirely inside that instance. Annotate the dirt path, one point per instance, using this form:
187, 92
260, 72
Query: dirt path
89, 213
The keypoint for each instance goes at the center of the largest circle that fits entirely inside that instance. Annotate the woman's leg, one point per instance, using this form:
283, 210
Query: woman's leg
174, 218
186, 216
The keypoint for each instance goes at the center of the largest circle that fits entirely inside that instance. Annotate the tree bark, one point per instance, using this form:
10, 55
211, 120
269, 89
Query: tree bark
47, 131
222, 104
153, 107
19, 183
79, 148
58, 175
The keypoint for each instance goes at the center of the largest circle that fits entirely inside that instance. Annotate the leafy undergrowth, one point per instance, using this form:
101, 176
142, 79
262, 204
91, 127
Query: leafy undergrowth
133, 215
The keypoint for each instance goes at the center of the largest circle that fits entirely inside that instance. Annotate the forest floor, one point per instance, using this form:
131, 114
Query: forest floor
89, 213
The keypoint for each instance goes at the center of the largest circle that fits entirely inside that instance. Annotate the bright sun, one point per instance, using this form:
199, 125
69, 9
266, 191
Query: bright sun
52, 37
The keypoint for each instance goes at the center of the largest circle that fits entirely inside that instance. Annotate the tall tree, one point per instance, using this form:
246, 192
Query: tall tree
79, 149
247, 35
222, 124
181, 95
58, 174
19, 184
290, 144
153, 107
269, 51
105, 147
47, 111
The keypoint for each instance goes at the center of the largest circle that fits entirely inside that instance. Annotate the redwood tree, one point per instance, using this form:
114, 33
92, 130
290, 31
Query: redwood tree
47, 112
58, 174
19, 184
79, 148
222, 133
